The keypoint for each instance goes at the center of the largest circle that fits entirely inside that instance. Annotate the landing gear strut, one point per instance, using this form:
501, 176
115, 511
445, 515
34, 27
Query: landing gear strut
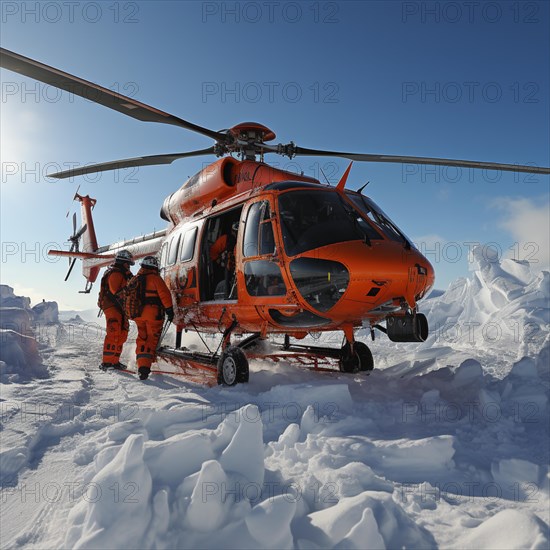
356, 357
232, 367
232, 364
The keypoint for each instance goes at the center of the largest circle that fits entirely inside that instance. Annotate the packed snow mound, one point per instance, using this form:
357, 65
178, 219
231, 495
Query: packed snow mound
46, 312
19, 356
17, 351
503, 305
222, 488
369, 520
9, 299
43, 312
197, 483
16, 319
504, 297
508, 530
444, 446
105, 521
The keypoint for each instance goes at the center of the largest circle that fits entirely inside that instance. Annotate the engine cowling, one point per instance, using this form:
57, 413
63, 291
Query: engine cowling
214, 183
219, 181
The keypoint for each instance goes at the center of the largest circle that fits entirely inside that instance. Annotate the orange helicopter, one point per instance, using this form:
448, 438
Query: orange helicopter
305, 257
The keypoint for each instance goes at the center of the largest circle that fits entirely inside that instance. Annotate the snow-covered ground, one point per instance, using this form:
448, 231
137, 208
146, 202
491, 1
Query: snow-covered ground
445, 445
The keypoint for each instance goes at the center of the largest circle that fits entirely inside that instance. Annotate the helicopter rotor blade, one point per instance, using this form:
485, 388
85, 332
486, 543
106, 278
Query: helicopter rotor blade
81, 232
302, 151
73, 244
71, 265
98, 94
128, 163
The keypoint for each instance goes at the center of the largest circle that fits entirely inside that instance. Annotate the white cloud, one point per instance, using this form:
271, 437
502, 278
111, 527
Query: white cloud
529, 224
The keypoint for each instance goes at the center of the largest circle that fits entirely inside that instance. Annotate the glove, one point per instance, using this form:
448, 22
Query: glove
170, 313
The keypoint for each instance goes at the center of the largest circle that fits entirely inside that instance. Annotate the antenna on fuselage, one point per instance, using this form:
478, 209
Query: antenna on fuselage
361, 188
324, 175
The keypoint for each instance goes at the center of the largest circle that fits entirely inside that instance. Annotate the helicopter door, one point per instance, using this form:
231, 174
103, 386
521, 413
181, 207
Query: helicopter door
262, 273
217, 262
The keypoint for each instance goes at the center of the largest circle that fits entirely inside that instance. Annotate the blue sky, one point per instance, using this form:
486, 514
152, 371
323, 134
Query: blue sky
449, 79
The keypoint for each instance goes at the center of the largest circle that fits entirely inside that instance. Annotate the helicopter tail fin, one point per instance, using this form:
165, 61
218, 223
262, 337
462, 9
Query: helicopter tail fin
87, 235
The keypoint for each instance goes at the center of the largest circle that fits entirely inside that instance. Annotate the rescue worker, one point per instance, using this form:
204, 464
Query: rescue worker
111, 302
222, 252
157, 303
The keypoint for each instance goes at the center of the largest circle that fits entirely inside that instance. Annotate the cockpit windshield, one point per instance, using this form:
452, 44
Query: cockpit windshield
376, 215
313, 219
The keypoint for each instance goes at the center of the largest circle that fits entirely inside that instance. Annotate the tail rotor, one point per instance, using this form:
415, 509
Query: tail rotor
75, 243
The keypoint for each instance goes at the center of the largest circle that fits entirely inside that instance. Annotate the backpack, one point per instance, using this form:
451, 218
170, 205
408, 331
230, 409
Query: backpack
106, 298
134, 296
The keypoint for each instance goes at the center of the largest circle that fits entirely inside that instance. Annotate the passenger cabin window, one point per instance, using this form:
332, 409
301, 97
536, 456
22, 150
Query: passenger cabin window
173, 251
188, 245
258, 236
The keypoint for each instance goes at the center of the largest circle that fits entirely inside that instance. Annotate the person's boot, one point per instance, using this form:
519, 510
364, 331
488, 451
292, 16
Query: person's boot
120, 366
106, 366
144, 373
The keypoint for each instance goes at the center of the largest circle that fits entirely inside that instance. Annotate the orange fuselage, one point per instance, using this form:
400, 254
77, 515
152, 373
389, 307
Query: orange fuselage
313, 276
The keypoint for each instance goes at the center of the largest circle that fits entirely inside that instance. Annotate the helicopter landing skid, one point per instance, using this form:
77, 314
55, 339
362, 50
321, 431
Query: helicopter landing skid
201, 367
302, 359
313, 357
195, 366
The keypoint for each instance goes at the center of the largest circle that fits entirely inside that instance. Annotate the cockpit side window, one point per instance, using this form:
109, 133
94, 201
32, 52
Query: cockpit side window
250, 240
266, 239
258, 236
262, 276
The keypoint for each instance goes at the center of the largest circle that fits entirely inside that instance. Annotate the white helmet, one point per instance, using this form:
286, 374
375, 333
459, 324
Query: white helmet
150, 261
123, 256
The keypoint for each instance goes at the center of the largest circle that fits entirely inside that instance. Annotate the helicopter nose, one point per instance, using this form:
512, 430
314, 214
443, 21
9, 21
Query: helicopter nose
430, 276
352, 279
413, 277
421, 278
386, 273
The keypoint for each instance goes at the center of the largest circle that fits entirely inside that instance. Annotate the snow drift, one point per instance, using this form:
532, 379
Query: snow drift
446, 445
19, 356
214, 488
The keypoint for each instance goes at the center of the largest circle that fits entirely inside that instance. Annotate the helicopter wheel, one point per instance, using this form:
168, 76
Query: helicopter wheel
232, 367
360, 361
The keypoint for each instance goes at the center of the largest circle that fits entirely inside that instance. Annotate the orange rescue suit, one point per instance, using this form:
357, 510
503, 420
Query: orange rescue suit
149, 323
220, 253
117, 324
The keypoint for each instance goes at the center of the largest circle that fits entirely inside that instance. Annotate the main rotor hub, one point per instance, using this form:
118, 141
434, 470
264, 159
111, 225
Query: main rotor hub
246, 139
252, 132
